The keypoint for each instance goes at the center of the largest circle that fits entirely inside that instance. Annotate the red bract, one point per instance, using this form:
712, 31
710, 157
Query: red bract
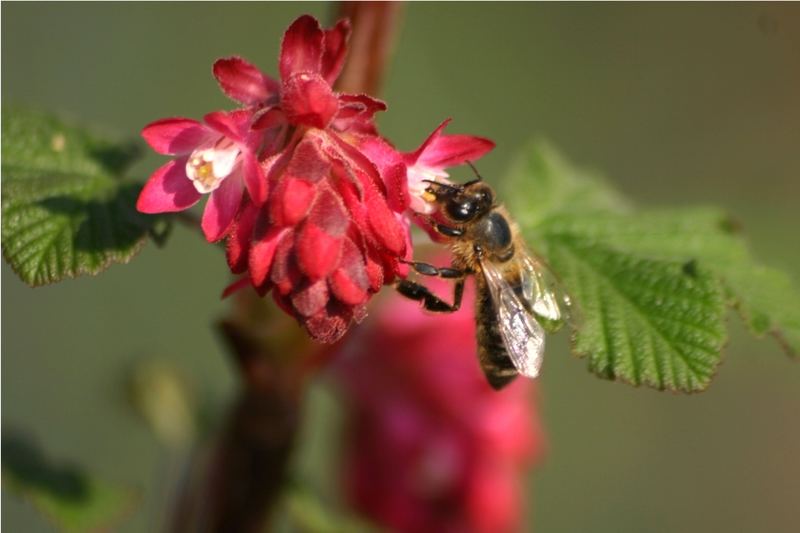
430, 446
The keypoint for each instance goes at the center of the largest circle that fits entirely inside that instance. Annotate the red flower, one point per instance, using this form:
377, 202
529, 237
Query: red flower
217, 158
325, 239
324, 221
431, 447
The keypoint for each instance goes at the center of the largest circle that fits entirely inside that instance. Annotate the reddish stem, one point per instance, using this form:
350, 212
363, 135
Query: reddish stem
375, 26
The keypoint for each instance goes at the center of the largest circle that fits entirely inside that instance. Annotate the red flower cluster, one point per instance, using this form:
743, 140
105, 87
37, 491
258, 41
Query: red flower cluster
430, 446
312, 200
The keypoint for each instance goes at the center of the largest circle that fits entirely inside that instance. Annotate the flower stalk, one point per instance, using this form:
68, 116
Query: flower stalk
375, 27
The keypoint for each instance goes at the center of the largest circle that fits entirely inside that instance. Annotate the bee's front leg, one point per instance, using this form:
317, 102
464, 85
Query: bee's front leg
427, 269
431, 302
443, 229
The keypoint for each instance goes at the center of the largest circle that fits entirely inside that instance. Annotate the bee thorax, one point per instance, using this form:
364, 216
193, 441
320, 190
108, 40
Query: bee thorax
493, 234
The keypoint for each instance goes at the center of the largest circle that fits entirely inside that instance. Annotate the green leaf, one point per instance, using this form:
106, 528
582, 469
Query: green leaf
73, 501
651, 287
765, 297
644, 321
66, 210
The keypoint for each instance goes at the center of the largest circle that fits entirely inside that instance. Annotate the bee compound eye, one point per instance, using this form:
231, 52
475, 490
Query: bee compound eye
460, 209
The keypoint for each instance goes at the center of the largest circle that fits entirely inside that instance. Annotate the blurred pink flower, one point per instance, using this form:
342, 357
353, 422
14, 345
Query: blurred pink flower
430, 446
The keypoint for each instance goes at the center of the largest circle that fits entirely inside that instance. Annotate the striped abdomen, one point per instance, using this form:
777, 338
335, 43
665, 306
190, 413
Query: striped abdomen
495, 362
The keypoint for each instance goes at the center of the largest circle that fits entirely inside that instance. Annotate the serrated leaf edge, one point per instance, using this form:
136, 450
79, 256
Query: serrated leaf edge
703, 383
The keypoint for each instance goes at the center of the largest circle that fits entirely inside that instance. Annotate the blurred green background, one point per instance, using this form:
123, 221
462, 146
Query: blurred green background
677, 104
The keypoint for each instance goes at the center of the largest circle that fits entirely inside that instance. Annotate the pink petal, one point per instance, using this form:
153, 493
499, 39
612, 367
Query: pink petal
243, 82
311, 298
356, 104
349, 282
416, 154
176, 136
346, 289
318, 252
308, 161
441, 151
238, 245
169, 189
335, 50
234, 125
222, 207
385, 228
397, 194
272, 117
301, 50
237, 285
357, 112
350, 191
375, 272
329, 212
254, 179
392, 168
319, 243
451, 150
262, 251
274, 167
309, 100
356, 159
284, 273
331, 323
292, 200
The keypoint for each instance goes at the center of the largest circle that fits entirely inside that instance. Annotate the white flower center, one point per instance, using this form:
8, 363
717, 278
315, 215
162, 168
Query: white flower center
417, 185
211, 163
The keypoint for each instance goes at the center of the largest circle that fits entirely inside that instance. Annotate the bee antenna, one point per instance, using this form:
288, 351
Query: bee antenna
475, 170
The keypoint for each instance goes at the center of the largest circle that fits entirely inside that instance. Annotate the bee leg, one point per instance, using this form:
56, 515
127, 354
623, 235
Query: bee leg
448, 231
430, 301
426, 269
442, 229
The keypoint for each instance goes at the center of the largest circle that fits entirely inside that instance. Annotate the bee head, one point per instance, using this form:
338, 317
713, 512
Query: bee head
462, 203
471, 201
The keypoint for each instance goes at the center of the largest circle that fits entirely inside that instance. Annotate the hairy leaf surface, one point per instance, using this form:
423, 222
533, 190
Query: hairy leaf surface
66, 211
651, 287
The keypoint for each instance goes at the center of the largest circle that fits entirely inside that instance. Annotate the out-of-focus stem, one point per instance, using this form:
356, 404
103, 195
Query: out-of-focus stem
375, 25
250, 464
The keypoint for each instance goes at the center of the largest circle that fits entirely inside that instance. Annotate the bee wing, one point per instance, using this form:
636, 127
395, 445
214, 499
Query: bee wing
522, 334
544, 294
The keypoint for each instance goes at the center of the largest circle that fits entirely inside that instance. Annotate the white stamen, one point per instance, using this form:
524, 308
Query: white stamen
211, 163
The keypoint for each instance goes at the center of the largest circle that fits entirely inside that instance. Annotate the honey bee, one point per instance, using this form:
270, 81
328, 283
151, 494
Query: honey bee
519, 300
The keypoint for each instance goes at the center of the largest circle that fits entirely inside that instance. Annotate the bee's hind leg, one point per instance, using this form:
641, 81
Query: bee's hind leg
431, 302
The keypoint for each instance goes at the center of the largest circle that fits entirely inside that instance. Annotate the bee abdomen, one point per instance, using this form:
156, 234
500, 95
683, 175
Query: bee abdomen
495, 362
